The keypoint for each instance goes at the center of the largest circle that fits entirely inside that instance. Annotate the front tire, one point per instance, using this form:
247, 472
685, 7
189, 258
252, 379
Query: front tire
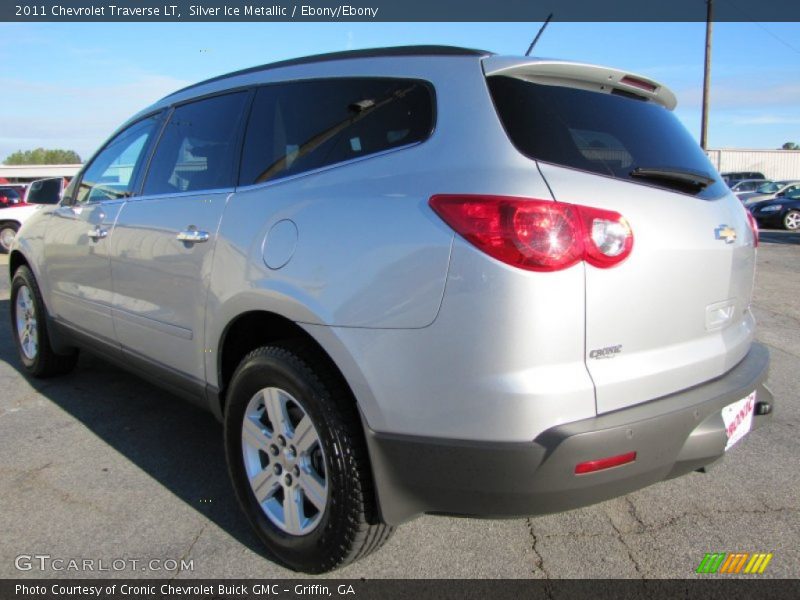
791, 220
298, 460
8, 231
29, 324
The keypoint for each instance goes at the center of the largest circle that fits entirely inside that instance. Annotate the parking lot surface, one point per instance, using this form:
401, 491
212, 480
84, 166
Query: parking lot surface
99, 465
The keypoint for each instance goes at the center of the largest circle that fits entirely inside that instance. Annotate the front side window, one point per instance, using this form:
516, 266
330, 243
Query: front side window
112, 172
791, 189
305, 125
199, 147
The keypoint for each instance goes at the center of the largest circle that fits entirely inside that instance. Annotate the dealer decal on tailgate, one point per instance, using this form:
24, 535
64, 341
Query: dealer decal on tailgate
738, 418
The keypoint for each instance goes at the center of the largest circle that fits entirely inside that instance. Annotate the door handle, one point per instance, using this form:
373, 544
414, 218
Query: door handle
98, 233
193, 236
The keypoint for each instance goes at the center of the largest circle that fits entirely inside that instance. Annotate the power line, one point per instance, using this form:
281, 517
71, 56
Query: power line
774, 35
781, 40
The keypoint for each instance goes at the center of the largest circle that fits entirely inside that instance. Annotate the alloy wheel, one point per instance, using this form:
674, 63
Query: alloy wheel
27, 328
284, 461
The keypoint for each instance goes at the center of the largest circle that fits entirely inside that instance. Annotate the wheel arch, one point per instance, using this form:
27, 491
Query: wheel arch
19, 257
15, 260
255, 328
58, 342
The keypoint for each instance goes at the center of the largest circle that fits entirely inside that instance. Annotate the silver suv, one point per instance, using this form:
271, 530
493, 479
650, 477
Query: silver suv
411, 280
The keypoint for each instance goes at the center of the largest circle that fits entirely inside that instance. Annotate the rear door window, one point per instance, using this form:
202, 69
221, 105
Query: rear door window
305, 125
199, 148
608, 134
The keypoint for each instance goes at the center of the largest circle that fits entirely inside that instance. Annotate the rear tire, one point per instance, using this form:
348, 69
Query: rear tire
294, 438
29, 325
791, 220
8, 231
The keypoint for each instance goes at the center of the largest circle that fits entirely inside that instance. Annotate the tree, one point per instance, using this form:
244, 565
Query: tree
41, 156
790, 146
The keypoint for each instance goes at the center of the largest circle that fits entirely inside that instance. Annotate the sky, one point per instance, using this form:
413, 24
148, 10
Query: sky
69, 85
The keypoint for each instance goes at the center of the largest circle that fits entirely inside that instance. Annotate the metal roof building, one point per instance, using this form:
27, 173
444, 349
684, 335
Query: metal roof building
26, 173
774, 164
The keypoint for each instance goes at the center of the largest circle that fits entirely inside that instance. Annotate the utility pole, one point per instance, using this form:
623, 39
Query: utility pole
707, 76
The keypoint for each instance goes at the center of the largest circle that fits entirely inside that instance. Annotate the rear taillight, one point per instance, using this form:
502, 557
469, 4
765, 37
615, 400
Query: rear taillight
753, 227
537, 235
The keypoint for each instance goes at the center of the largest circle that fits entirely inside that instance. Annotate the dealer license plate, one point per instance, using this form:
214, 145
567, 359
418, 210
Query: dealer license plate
738, 419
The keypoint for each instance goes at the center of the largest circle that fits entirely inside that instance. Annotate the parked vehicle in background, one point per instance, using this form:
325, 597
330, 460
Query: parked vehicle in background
411, 280
731, 177
768, 191
22, 189
747, 185
9, 196
40, 193
779, 212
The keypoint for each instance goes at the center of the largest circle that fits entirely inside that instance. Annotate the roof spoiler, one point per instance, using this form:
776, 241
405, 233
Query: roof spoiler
579, 75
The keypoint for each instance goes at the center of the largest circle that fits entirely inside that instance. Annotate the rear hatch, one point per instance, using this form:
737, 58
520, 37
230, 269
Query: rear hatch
676, 312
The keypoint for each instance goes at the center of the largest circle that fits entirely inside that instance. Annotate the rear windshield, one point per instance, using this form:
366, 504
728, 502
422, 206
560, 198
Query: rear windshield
608, 134
9, 193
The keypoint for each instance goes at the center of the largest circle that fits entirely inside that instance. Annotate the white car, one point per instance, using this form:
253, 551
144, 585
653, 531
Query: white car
41, 192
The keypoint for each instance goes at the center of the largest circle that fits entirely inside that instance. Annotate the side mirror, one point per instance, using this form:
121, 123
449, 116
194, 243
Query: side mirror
45, 191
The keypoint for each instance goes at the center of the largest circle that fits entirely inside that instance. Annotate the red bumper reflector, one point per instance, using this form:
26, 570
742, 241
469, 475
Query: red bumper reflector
590, 466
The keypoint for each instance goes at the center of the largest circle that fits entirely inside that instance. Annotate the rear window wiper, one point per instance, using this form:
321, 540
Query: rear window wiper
694, 179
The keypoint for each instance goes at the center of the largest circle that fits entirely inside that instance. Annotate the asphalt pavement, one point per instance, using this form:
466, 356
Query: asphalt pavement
101, 466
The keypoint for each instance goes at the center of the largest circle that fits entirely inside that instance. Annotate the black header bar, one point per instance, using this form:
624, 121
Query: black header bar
734, 588
395, 10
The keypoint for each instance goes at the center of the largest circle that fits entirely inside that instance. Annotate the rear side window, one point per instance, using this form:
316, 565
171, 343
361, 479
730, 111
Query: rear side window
198, 149
305, 125
608, 134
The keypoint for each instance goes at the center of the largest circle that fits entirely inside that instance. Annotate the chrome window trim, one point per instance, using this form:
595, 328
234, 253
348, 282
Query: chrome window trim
253, 186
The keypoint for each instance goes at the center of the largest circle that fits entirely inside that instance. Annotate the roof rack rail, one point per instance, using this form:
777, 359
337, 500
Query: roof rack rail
347, 55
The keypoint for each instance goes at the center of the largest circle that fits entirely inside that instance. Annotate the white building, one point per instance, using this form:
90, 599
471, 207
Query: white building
28, 173
774, 164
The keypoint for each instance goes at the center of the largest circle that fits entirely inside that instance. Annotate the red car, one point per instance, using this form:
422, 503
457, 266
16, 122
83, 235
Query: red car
9, 196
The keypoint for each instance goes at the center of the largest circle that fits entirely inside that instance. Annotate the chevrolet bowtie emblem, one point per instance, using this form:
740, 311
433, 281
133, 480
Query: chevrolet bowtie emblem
725, 232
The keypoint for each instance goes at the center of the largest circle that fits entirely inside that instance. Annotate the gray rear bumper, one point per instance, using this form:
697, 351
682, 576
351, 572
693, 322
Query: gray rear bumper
671, 436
